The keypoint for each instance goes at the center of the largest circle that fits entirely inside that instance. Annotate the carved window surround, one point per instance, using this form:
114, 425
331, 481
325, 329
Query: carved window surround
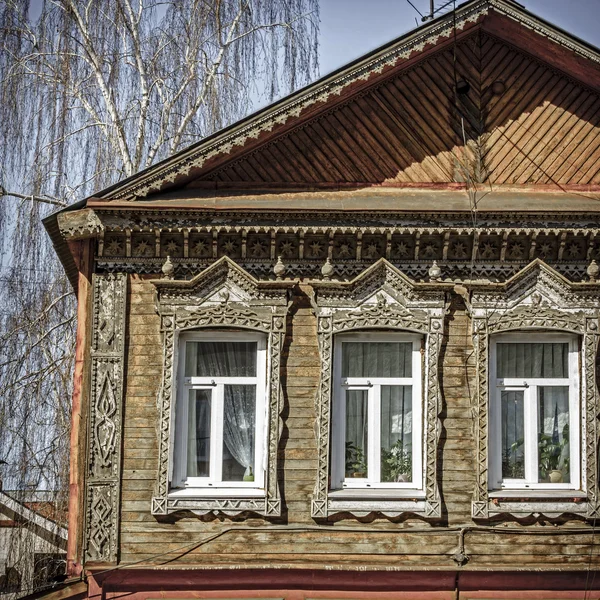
382, 297
223, 295
538, 298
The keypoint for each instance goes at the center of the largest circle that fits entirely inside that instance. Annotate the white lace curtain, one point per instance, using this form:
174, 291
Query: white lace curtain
221, 359
239, 420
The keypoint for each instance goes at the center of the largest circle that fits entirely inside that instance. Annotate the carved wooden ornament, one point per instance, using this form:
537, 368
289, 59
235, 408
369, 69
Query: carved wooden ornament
383, 298
223, 295
103, 477
538, 298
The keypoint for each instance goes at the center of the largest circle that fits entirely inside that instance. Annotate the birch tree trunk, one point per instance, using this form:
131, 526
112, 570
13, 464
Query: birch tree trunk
92, 91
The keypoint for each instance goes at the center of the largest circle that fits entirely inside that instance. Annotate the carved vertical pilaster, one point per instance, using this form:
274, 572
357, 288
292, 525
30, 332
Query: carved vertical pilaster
276, 337
479, 507
592, 411
103, 477
434, 426
319, 500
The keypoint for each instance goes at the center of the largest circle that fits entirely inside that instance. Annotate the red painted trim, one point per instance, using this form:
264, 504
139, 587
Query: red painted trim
136, 580
81, 252
180, 583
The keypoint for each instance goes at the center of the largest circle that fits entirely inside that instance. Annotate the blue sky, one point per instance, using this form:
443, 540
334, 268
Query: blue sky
350, 28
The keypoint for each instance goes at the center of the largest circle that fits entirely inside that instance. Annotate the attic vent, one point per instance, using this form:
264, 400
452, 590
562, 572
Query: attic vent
462, 87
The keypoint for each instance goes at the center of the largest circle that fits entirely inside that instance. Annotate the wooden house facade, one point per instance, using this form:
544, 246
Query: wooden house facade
348, 346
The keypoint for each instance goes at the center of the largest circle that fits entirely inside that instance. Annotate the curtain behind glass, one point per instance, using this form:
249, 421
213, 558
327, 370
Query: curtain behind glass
198, 447
220, 359
396, 433
376, 359
513, 434
239, 422
356, 433
532, 360
553, 434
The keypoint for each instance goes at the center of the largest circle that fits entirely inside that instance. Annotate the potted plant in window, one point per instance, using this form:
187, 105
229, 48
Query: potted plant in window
396, 463
550, 452
356, 464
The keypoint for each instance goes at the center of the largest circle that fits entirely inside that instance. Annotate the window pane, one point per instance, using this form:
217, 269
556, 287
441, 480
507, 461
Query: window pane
513, 435
376, 359
356, 433
533, 360
220, 359
239, 420
553, 434
198, 449
396, 433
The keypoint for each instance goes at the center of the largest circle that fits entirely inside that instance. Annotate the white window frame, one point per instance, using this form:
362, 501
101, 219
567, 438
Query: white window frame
529, 388
213, 485
373, 385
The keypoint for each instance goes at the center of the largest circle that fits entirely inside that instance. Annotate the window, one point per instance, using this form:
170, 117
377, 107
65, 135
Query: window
534, 411
220, 410
377, 421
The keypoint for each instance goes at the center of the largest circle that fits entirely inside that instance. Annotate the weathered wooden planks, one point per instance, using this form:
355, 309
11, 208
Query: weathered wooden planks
371, 542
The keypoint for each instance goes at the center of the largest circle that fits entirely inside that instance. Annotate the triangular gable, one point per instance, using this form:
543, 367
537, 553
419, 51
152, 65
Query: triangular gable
535, 286
223, 282
393, 116
381, 282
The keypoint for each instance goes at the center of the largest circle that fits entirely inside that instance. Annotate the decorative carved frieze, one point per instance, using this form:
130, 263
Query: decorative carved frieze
537, 298
103, 475
496, 249
223, 295
380, 298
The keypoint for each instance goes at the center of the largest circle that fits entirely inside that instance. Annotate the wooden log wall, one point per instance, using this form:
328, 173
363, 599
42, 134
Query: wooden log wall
295, 539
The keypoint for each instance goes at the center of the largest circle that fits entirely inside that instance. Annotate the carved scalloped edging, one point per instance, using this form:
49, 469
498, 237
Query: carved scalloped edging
544, 30
537, 298
342, 308
182, 306
103, 475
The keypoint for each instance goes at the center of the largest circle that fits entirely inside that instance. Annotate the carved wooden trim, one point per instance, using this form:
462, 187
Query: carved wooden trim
222, 296
537, 298
103, 481
384, 298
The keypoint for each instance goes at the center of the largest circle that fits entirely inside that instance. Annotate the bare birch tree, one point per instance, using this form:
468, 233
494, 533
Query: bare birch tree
92, 91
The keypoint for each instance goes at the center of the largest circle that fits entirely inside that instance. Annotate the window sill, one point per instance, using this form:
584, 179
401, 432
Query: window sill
232, 501
377, 493
216, 492
525, 494
527, 503
391, 503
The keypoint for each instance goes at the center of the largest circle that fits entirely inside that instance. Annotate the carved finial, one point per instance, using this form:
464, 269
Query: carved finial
168, 269
279, 268
434, 271
327, 269
593, 270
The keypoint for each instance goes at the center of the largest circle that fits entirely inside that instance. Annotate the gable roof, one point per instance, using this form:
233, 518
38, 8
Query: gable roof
501, 18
